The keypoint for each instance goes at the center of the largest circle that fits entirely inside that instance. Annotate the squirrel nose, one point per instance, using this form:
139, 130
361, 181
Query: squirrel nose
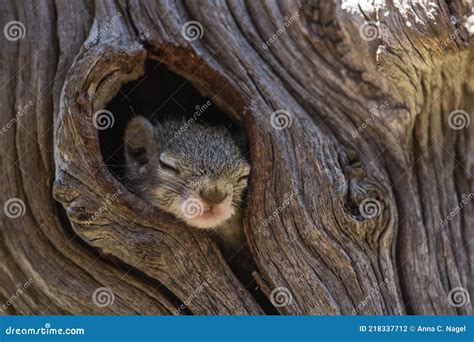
213, 196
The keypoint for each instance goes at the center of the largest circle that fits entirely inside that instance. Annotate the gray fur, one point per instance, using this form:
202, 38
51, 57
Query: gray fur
208, 160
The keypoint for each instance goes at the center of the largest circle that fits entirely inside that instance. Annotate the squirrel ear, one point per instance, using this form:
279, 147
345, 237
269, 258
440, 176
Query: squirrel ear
140, 141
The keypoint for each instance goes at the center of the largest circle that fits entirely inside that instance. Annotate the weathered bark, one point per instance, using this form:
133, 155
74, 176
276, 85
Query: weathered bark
303, 215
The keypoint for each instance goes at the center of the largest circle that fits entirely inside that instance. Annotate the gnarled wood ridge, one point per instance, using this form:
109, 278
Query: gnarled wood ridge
358, 118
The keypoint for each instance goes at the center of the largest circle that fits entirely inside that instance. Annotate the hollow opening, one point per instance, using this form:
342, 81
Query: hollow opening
161, 95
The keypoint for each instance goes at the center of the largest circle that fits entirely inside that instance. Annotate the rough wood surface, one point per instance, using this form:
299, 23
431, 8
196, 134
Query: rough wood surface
304, 218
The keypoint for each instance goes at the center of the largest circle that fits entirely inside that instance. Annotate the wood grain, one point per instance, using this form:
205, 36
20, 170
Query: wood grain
303, 216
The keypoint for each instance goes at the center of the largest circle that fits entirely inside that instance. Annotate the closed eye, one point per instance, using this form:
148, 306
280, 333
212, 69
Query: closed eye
244, 178
168, 167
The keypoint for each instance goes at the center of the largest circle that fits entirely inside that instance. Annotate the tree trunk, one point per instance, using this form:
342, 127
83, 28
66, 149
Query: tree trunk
362, 166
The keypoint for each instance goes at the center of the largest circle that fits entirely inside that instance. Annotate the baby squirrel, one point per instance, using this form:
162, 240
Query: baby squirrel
194, 171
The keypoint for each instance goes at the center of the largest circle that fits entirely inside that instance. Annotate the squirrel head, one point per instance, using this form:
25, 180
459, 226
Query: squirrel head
194, 171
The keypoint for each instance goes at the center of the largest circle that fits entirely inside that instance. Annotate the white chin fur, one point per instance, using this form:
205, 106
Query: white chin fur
207, 223
202, 218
